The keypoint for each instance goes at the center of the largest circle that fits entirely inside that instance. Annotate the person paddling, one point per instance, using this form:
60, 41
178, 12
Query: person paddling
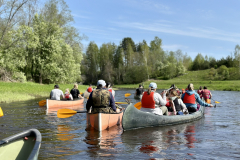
190, 97
139, 92
206, 94
101, 100
200, 91
56, 93
75, 92
151, 101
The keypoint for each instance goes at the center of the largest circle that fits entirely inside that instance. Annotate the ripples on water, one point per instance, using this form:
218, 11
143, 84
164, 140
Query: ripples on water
216, 136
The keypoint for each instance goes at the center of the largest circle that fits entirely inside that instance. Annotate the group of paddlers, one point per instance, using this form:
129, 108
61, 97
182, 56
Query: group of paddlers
172, 100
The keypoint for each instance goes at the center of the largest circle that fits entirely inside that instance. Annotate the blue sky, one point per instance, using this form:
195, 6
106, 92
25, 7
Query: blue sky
209, 27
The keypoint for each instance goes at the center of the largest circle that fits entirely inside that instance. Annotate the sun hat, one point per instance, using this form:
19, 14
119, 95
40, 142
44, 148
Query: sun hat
153, 85
102, 82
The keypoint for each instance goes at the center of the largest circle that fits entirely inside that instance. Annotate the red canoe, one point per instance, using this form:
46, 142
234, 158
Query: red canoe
102, 121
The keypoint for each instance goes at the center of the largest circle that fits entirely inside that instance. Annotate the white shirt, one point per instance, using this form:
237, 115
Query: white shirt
56, 94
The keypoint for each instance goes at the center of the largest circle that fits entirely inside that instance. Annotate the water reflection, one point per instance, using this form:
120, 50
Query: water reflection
102, 144
155, 141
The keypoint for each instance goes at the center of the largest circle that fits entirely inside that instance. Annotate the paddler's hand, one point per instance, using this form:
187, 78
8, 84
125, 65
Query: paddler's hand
117, 110
211, 105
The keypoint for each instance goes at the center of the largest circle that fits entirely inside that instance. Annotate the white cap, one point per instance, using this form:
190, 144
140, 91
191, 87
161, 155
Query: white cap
102, 82
153, 85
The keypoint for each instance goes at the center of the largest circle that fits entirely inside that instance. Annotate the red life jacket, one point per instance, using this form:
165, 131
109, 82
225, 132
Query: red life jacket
200, 93
168, 103
206, 94
67, 96
148, 100
110, 90
189, 98
89, 89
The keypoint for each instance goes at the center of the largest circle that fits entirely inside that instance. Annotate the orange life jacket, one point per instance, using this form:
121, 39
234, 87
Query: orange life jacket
148, 100
189, 98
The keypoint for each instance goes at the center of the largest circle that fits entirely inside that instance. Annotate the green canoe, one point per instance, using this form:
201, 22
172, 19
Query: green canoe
21, 146
134, 118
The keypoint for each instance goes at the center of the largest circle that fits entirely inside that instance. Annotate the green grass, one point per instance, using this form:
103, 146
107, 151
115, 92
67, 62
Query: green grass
10, 92
198, 78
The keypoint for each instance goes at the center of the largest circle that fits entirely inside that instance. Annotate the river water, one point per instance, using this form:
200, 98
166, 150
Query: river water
216, 136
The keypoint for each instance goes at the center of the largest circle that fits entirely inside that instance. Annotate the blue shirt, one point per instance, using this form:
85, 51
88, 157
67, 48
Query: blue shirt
90, 101
198, 99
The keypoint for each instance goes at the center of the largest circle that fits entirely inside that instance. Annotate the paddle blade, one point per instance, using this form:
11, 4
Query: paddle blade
121, 103
127, 94
1, 112
217, 102
42, 103
138, 105
65, 113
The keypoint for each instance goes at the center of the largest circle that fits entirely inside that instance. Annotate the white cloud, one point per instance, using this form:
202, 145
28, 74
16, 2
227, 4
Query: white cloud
205, 32
80, 16
150, 5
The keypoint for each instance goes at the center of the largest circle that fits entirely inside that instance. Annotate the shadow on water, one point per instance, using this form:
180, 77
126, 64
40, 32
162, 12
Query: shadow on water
68, 138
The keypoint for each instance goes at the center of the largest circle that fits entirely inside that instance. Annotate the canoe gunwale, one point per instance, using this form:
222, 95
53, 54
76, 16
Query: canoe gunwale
153, 120
109, 113
30, 132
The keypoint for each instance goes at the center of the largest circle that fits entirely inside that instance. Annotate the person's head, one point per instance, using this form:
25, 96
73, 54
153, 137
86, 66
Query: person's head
75, 86
152, 86
190, 87
108, 85
205, 87
172, 86
174, 92
101, 83
90, 85
140, 85
67, 90
200, 88
56, 86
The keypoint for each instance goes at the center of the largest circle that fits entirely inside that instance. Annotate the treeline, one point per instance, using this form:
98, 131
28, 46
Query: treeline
38, 43
132, 62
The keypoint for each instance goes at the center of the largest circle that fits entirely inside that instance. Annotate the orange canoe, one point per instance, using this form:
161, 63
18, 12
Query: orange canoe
63, 103
102, 121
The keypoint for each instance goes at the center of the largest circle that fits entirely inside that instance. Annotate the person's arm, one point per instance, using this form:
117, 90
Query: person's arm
210, 95
112, 102
183, 106
173, 107
62, 95
79, 95
159, 99
89, 102
198, 99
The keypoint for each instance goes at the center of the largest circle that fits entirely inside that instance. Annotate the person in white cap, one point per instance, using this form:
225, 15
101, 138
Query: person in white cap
101, 100
153, 102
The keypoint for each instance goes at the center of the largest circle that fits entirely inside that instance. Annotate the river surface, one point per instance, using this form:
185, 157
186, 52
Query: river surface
216, 136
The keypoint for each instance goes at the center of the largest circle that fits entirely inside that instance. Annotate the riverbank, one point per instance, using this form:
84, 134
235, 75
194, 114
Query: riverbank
10, 92
211, 85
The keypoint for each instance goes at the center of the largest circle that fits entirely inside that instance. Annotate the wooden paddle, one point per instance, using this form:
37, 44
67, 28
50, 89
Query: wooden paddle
127, 94
42, 103
1, 112
65, 113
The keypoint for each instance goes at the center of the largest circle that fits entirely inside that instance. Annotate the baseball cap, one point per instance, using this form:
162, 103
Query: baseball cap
102, 82
153, 85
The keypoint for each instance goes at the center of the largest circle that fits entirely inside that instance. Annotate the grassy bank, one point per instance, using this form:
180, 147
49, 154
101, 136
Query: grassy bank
10, 92
212, 85
198, 78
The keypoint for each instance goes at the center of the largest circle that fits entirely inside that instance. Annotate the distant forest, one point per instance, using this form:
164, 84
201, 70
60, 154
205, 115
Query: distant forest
38, 43
132, 62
